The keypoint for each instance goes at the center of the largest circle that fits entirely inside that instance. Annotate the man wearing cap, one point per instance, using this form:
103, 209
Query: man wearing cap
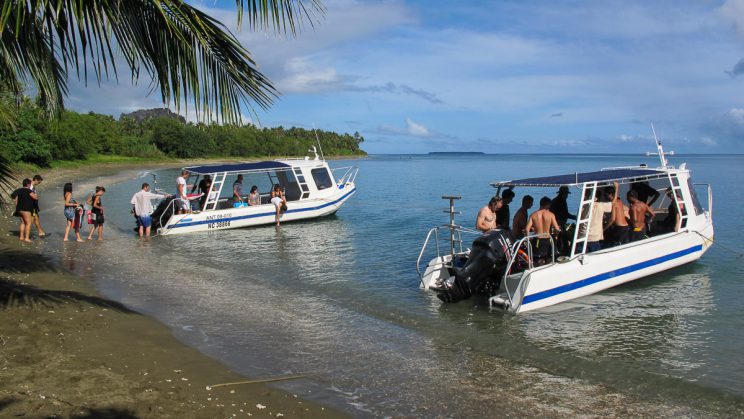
559, 207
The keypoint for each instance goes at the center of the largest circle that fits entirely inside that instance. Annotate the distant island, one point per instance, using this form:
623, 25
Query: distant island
456, 152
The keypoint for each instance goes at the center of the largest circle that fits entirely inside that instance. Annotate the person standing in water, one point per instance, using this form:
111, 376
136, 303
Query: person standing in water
36, 181
96, 213
142, 207
24, 199
277, 198
72, 211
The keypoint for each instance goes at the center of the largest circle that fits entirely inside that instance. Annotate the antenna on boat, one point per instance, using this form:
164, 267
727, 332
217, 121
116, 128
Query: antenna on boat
452, 226
319, 146
660, 150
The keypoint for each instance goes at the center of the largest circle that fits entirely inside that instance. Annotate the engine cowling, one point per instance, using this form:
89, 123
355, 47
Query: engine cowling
485, 267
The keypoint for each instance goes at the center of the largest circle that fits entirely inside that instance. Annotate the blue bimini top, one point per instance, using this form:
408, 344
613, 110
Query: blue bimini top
602, 176
238, 167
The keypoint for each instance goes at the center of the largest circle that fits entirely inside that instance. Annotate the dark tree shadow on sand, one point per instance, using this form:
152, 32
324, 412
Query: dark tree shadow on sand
106, 413
6, 402
14, 294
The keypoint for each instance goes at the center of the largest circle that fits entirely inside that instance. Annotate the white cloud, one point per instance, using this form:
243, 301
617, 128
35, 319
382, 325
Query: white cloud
708, 141
736, 115
416, 130
733, 12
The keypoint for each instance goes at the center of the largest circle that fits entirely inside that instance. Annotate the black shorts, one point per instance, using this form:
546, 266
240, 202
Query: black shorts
639, 234
621, 234
542, 248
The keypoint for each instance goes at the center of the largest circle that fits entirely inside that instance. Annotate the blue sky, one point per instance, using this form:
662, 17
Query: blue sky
507, 76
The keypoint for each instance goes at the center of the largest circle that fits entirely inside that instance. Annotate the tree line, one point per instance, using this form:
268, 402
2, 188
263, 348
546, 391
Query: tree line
28, 135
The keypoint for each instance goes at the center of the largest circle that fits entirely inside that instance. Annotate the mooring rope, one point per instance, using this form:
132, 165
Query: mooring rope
738, 252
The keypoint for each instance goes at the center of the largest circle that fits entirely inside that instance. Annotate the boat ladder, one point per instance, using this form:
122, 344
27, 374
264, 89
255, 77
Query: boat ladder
213, 196
581, 235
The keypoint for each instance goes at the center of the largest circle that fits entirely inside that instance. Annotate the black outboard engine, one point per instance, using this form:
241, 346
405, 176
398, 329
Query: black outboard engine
483, 270
161, 210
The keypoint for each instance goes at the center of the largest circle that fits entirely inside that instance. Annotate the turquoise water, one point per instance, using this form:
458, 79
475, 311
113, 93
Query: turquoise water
338, 299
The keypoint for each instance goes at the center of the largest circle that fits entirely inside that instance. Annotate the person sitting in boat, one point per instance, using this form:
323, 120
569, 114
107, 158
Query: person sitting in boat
638, 211
277, 198
238, 189
204, 186
601, 206
254, 198
520, 218
541, 221
617, 229
672, 221
503, 217
486, 219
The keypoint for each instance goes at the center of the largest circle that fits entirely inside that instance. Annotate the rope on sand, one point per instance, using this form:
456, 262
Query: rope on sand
263, 380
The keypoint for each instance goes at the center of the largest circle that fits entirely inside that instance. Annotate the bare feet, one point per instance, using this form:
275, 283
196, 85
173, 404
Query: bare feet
65, 239
80, 240
27, 241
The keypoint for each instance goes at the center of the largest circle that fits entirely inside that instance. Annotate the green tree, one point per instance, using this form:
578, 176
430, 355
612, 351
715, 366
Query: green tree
188, 54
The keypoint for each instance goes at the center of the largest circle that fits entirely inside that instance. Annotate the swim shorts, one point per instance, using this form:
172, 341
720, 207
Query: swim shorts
277, 201
145, 221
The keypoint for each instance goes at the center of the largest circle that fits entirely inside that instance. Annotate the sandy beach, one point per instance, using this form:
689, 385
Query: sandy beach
67, 351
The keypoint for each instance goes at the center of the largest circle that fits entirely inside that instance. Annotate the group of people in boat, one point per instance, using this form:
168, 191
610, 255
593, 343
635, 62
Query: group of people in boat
613, 222
207, 191
26, 199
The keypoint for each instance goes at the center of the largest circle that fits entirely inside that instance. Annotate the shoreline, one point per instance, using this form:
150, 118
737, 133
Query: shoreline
66, 350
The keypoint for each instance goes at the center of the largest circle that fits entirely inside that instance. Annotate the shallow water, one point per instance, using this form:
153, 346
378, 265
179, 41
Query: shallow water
338, 299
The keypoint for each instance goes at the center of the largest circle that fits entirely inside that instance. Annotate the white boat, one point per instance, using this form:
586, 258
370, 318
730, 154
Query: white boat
309, 186
505, 270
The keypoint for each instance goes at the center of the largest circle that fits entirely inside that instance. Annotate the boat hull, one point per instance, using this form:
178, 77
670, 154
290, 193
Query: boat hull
258, 215
598, 271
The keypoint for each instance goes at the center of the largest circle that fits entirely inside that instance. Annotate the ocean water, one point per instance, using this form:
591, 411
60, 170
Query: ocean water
338, 300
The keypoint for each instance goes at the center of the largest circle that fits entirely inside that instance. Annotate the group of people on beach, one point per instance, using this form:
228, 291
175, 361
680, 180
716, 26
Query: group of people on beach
26, 200
613, 222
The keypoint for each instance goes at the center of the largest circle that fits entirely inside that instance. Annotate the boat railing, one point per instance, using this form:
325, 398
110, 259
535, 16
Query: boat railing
457, 245
516, 252
172, 207
710, 198
349, 175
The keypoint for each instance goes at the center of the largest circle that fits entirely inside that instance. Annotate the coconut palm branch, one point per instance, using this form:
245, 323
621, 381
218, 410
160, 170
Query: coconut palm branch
190, 57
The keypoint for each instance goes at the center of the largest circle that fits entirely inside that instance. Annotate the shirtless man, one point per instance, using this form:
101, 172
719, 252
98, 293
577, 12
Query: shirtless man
617, 226
541, 221
486, 220
520, 218
638, 211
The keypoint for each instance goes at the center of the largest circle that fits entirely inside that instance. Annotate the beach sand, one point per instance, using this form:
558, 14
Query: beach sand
66, 351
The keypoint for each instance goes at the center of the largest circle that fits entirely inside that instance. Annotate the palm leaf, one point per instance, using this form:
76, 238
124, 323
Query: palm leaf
190, 57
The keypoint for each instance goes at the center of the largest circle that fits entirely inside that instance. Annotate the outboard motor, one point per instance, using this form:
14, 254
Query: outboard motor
484, 269
161, 210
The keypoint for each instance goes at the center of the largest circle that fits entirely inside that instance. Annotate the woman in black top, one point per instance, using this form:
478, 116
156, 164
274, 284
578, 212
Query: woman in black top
96, 213
24, 199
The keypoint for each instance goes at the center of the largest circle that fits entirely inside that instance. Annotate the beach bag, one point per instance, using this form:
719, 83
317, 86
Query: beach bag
284, 206
78, 221
91, 217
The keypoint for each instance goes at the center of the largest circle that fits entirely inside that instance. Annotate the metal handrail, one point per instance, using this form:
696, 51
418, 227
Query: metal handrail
349, 176
515, 254
435, 230
710, 197
173, 211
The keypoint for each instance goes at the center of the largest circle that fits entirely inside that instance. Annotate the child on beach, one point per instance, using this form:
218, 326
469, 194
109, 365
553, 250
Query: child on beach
96, 213
24, 199
73, 213
36, 181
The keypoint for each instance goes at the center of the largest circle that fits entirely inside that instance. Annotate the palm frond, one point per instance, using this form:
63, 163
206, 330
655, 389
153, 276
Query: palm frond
190, 57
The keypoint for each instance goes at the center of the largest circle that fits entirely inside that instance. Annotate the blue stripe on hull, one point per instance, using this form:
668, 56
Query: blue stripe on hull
272, 213
608, 275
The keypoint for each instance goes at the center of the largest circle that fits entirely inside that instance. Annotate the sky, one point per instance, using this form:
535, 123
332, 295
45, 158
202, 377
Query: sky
496, 76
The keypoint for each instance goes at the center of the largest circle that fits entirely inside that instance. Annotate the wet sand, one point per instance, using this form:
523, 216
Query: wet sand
67, 351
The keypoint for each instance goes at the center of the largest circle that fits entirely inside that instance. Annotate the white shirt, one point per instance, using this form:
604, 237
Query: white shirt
141, 202
184, 190
596, 229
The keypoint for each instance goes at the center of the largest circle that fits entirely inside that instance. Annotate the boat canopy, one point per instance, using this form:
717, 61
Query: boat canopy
610, 175
238, 167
